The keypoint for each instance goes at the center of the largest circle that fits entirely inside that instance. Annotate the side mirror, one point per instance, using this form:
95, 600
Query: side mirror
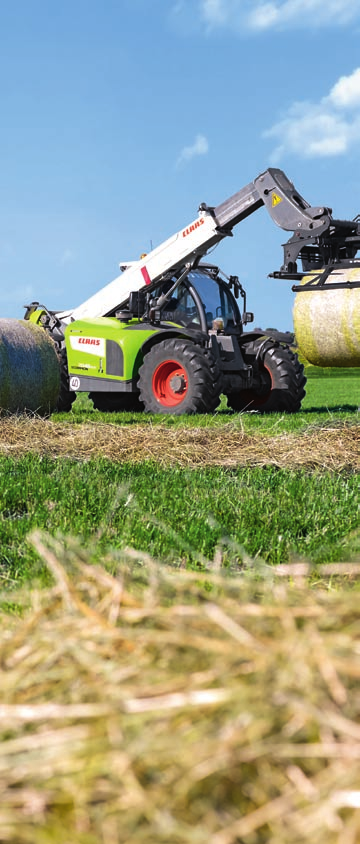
137, 302
247, 317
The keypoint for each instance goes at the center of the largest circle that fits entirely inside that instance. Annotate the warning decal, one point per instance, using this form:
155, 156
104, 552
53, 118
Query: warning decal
275, 199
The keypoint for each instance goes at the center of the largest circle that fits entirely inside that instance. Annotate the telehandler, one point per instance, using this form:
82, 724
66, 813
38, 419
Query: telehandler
167, 336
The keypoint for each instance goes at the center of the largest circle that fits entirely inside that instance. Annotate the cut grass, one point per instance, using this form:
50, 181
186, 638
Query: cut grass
334, 446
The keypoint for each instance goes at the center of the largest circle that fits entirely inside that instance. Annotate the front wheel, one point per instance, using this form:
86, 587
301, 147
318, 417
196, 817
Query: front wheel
281, 382
179, 377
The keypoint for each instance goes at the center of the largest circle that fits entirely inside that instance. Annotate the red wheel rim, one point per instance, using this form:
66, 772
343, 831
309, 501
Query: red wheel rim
170, 383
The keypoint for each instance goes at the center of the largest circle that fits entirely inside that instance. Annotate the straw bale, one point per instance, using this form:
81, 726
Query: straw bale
158, 707
333, 446
29, 368
327, 322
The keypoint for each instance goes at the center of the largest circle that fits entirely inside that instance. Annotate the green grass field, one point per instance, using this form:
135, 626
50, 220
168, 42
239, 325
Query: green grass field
188, 516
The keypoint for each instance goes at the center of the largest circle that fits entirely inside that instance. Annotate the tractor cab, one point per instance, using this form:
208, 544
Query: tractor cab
203, 300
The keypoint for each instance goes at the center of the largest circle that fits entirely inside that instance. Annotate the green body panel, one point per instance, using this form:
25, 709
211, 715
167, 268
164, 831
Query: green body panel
105, 348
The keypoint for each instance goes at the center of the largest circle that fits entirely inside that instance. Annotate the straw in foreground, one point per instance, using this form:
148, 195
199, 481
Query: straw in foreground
154, 706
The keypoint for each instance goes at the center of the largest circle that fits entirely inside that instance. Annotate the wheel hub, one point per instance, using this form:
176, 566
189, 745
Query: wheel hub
178, 383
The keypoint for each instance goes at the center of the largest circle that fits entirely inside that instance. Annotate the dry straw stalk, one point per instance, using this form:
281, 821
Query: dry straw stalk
155, 707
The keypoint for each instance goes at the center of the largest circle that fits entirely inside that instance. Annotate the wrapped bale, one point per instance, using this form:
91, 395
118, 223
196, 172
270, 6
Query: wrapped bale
327, 320
29, 368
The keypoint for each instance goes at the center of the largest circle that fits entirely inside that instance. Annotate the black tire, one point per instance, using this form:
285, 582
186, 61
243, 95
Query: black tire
66, 397
116, 402
178, 377
281, 381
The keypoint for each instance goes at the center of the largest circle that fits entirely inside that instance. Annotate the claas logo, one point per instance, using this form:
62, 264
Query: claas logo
89, 341
193, 226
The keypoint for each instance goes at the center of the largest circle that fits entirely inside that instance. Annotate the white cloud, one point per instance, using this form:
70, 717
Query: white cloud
282, 14
346, 91
264, 16
199, 147
261, 15
318, 130
214, 11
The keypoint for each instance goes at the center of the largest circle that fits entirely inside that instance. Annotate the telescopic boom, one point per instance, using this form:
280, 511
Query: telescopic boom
272, 189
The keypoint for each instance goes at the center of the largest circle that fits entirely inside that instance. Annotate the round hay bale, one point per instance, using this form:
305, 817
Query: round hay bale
327, 321
29, 368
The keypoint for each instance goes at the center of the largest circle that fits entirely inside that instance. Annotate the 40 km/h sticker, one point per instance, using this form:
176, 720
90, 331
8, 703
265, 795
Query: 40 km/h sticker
74, 383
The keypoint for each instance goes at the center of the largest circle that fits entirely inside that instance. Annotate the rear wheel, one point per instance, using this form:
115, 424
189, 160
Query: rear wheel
281, 381
178, 377
116, 402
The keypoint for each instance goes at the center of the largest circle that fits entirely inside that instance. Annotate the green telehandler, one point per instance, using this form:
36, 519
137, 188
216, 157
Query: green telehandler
169, 334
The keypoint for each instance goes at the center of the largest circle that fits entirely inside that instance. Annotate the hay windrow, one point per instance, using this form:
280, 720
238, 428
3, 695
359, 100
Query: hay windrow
332, 447
154, 707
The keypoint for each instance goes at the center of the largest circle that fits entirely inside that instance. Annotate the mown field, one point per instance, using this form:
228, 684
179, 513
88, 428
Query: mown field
191, 687
234, 489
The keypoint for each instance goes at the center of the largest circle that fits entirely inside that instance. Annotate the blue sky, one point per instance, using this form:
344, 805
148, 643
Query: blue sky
119, 117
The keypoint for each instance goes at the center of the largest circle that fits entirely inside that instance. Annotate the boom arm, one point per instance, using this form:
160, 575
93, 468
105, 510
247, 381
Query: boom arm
272, 189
